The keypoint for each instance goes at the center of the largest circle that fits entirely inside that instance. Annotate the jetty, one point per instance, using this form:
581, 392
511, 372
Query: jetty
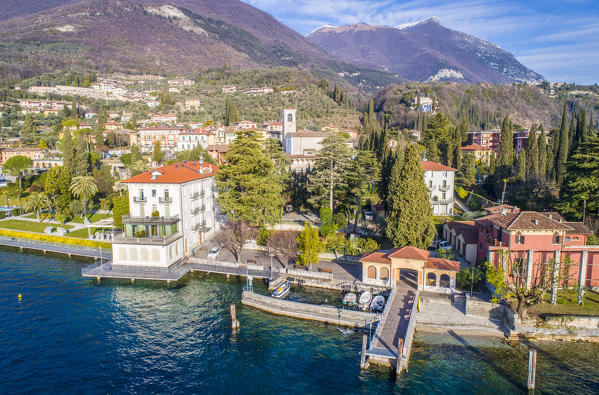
307, 311
58, 248
392, 340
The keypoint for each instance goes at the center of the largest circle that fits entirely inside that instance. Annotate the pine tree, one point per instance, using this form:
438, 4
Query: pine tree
532, 151
409, 215
562, 150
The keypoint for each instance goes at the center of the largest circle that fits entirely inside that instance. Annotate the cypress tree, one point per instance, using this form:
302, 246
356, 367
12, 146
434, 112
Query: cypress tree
561, 156
532, 154
542, 152
521, 165
591, 129
68, 152
467, 174
580, 128
505, 161
409, 215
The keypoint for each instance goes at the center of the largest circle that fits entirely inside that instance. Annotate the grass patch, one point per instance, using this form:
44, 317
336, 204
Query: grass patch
82, 233
95, 217
54, 239
564, 306
28, 226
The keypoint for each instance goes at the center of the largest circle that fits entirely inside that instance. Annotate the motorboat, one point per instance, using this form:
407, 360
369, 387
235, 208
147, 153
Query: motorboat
282, 290
350, 299
365, 299
377, 304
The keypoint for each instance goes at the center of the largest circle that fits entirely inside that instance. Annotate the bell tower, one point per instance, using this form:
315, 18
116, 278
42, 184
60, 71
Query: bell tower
288, 122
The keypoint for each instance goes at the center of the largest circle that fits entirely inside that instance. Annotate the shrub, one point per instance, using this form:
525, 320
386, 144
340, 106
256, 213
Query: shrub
465, 277
462, 193
54, 239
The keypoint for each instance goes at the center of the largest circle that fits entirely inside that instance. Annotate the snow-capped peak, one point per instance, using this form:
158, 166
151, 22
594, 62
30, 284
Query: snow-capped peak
407, 25
324, 28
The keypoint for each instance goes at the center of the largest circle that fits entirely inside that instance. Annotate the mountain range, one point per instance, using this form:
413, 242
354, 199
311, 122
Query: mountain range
188, 36
424, 51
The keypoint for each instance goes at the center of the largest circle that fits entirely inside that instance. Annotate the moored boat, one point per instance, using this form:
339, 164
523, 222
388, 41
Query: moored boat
350, 299
282, 290
377, 304
365, 300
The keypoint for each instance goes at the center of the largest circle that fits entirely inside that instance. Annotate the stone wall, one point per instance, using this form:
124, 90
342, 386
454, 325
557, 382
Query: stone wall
328, 314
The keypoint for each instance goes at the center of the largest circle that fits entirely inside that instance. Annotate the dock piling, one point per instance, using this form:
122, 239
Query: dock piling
532, 368
234, 320
363, 363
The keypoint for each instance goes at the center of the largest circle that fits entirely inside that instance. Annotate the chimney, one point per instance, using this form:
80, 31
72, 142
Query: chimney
503, 211
536, 221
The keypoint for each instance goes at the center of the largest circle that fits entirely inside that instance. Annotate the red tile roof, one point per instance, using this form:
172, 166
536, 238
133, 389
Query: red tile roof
465, 228
177, 173
376, 257
434, 166
442, 264
525, 220
409, 252
476, 147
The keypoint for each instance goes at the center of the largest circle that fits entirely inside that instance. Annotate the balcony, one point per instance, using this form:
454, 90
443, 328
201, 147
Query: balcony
152, 240
165, 200
444, 188
198, 195
127, 219
441, 201
201, 226
140, 199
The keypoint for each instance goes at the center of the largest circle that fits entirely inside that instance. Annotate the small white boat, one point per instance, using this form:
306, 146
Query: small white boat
350, 299
365, 300
282, 290
377, 304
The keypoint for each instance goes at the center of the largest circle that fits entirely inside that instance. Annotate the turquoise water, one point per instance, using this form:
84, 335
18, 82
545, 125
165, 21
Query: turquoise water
69, 335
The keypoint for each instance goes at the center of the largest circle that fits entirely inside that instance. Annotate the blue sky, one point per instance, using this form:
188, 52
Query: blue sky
558, 39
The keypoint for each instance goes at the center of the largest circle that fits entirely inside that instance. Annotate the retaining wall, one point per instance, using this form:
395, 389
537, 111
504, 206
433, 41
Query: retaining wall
328, 314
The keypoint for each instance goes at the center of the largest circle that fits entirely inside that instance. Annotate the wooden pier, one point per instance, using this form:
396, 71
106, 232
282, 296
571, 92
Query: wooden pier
392, 341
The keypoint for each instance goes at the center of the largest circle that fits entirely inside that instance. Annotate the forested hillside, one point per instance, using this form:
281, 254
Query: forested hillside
486, 105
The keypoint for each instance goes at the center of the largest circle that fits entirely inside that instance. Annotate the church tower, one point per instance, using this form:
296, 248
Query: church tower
288, 122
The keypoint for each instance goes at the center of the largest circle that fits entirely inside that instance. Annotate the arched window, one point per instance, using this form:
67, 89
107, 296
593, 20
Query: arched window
133, 254
557, 238
289, 117
155, 255
431, 279
444, 282
372, 272
384, 274
145, 256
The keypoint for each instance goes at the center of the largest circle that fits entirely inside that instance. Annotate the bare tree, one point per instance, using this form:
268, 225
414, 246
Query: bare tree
234, 236
284, 244
512, 282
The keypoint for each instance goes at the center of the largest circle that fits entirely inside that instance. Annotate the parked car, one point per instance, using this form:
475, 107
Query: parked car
445, 246
213, 254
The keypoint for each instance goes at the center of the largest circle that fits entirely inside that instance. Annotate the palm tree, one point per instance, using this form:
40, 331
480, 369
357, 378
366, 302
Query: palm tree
37, 202
119, 187
84, 187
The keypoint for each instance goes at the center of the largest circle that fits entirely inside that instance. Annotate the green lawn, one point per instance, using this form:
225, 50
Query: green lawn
95, 217
28, 226
82, 233
590, 306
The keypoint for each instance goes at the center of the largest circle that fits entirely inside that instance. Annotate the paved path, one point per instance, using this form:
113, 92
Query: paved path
394, 324
56, 247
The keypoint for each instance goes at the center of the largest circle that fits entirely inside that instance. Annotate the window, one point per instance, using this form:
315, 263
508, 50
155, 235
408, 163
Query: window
444, 282
154, 208
166, 194
289, 117
443, 196
153, 193
142, 211
567, 238
557, 238
372, 272
141, 194
519, 238
430, 183
431, 279
445, 181
384, 274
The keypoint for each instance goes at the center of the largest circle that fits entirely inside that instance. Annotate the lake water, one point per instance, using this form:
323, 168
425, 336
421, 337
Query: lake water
70, 335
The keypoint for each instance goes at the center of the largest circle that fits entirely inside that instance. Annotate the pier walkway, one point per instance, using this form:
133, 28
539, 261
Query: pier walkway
59, 248
392, 341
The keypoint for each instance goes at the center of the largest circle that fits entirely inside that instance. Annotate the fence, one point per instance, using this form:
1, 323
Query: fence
407, 344
71, 249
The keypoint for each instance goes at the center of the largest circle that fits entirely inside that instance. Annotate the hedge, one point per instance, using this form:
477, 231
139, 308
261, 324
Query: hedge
54, 239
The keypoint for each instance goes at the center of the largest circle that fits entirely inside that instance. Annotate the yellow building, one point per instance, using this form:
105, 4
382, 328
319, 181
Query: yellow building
409, 265
481, 153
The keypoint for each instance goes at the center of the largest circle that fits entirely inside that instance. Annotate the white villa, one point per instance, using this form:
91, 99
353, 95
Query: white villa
172, 211
302, 146
440, 182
